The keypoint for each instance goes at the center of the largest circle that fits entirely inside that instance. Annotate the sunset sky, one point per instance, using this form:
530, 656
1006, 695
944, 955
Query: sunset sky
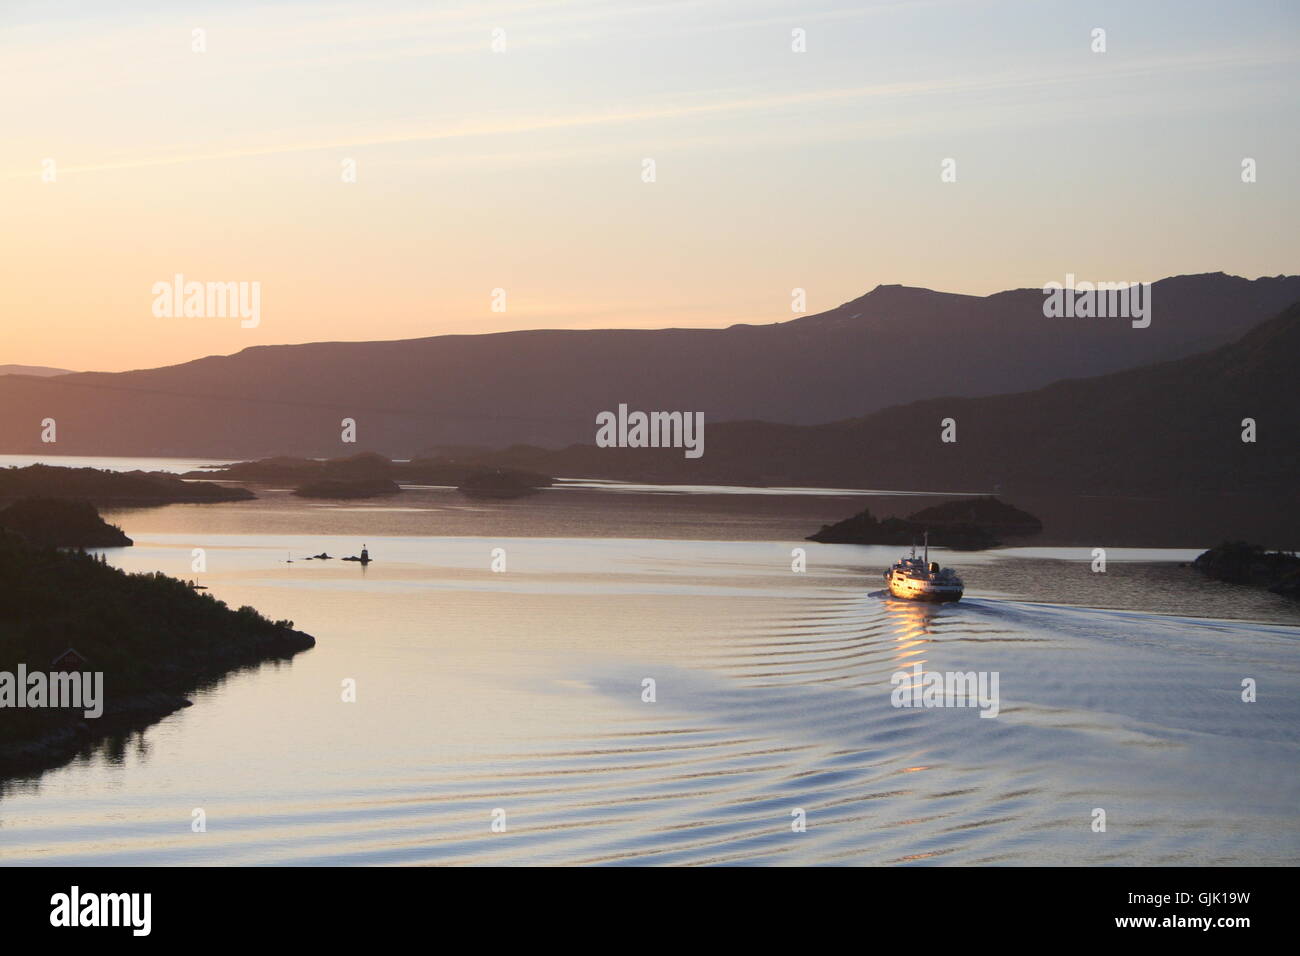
522, 169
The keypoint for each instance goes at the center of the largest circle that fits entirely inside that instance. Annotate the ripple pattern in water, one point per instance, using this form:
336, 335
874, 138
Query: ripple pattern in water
522, 692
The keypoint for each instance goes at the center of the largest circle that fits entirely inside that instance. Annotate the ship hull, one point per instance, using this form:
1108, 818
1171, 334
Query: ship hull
911, 590
929, 597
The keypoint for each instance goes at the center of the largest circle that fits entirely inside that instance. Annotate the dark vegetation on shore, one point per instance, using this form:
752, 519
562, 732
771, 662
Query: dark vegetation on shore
346, 489
367, 470
968, 524
111, 487
61, 523
154, 638
1237, 562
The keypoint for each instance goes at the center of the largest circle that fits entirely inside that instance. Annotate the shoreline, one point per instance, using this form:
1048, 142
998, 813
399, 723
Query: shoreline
149, 640
77, 735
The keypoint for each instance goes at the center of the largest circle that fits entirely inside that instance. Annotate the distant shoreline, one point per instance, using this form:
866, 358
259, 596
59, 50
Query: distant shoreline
1184, 522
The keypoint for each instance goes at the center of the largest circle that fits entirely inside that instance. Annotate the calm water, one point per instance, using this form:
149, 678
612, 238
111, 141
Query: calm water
522, 691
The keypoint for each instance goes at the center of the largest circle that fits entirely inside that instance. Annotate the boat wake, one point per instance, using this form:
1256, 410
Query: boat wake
788, 718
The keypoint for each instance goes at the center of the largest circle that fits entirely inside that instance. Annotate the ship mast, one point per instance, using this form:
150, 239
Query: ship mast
927, 550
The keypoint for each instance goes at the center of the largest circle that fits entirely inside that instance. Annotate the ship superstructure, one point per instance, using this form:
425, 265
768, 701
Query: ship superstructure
919, 579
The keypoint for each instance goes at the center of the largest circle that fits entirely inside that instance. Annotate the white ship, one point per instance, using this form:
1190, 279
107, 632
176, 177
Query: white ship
917, 579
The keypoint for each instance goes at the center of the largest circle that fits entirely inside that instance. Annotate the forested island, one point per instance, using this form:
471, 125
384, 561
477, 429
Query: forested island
102, 487
153, 637
346, 489
499, 483
368, 474
967, 524
1237, 562
61, 523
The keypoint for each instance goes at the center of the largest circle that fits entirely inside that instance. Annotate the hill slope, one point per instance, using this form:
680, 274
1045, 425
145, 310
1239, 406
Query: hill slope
1172, 428
545, 387
41, 371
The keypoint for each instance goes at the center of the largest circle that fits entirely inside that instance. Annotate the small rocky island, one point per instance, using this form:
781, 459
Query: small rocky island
987, 512
102, 487
502, 483
368, 474
348, 489
286, 468
61, 523
1237, 562
968, 524
153, 637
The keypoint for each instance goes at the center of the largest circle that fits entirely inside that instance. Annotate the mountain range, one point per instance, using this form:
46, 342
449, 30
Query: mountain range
1167, 429
892, 346
37, 370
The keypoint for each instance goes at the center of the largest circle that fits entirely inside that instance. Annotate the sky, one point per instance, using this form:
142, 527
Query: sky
504, 146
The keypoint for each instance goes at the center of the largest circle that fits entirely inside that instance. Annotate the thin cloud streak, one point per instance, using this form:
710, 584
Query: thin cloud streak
523, 125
